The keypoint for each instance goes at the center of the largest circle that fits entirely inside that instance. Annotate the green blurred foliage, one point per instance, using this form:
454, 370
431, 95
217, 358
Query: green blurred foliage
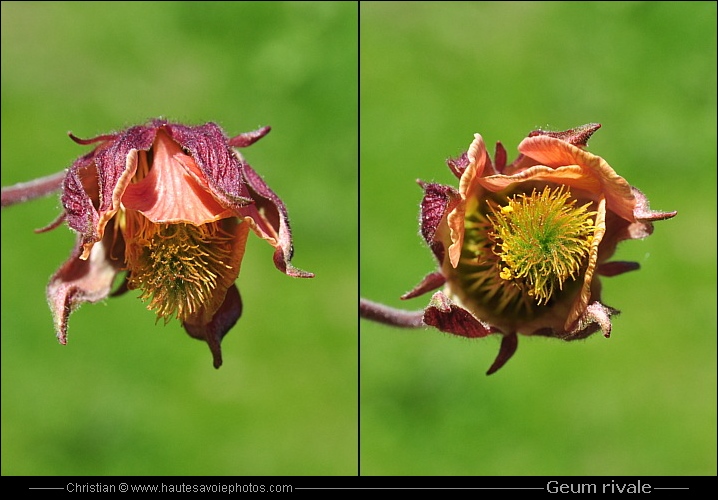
129, 397
640, 403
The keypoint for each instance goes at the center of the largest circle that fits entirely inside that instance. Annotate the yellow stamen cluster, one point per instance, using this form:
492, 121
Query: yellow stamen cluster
177, 266
542, 239
517, 255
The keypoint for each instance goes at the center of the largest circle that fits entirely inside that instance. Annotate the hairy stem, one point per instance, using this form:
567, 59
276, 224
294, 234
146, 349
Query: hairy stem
26, 191
390, 316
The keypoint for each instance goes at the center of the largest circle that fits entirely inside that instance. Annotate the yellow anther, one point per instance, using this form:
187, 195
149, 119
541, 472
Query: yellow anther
506, 273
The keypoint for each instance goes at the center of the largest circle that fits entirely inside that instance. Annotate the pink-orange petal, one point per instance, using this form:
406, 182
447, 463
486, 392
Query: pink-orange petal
478, 159
225, 280
570, 175
557, 153
579, 305
174, 190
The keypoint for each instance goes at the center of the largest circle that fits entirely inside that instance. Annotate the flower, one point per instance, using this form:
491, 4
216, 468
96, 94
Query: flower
172, 205
520, 247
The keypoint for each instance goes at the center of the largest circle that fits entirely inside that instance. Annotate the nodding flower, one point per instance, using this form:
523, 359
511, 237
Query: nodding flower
171, 207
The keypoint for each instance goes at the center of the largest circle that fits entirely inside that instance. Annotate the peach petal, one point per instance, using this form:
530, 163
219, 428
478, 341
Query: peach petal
570, 175
174, 190
478, 158
557, 153
579, 305
554, 152
225, 280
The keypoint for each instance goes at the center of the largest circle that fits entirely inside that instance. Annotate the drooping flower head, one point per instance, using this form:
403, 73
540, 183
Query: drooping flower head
520, 246
172, 205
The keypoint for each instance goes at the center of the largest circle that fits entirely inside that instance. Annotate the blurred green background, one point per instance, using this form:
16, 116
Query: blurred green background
642, 402
129, 397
